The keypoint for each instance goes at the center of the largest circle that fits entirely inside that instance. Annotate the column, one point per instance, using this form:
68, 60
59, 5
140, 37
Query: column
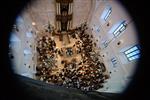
59, 25
67, 26
56, 8
69, 9
70, 24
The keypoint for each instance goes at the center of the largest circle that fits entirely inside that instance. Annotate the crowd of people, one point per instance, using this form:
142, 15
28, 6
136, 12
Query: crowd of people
86, 74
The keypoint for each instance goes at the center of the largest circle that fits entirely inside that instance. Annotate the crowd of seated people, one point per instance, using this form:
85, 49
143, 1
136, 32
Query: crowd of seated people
86, 74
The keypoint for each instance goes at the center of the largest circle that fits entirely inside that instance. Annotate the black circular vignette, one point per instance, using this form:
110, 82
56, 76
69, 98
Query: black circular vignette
10, 89
138, 87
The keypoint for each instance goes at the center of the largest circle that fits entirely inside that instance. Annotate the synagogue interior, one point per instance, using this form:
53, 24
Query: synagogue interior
90, 45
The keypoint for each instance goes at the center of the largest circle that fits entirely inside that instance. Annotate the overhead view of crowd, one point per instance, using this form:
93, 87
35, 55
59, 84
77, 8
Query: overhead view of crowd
86, 73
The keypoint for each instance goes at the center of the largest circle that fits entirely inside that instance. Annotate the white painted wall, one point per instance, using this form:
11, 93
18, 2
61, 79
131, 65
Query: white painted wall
122, 72
22, 60
82, 11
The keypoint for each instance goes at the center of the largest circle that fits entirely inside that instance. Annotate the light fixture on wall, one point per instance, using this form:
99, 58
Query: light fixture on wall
119, 42
16, 28
104, 54
33, 23
108, 24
